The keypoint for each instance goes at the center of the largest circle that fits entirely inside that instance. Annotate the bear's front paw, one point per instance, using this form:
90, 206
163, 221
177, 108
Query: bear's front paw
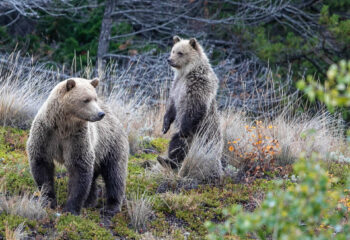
90, 204
48, 202
109, 211
71, 209
53, 203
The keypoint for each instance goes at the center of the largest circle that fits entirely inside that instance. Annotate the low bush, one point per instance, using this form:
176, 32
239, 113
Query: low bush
309, 209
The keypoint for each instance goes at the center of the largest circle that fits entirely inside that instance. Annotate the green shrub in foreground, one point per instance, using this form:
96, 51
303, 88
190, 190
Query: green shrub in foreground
309, 209
335, 92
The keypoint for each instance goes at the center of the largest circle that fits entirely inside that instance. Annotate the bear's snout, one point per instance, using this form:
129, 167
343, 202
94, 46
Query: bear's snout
171, 63
101, 115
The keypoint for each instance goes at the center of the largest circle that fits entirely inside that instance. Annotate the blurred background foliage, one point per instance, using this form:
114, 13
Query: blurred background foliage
59, 38
255, 46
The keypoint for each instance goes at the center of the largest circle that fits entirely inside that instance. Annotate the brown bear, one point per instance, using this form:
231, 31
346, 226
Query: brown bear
192, 104
77, 129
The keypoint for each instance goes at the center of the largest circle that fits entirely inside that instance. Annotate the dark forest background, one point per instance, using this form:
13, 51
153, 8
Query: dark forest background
255, 46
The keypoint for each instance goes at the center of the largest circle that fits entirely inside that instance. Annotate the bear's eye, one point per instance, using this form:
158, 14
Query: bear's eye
180, 53
86, 100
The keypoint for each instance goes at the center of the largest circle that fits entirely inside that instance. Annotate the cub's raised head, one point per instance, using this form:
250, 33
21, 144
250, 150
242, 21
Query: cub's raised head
186, 52
79, 99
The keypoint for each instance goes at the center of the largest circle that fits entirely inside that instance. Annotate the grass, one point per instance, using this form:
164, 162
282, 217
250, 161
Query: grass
139, 211
29, 207
174, 213
179, 209
203, 160
174, 205
18, 233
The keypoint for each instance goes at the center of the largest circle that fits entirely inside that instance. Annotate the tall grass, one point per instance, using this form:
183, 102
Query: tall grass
17, 234
27, 206
23, 88
203, 160
141, 107
295, 134
139, 211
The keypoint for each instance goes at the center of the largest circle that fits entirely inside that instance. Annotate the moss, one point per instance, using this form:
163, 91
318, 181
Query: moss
13, 221
161, 228
91, 214
15, 176
160, 144
189, 209
195, 206
61, 189
138, 180
17, 182
120, 221
143, 156
13, 138
76, 227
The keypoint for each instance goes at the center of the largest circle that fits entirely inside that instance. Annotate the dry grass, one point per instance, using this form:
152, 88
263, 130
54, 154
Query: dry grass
181, 201
22, 91
321, 133
17, 234
138, 118
203, 160
139, 211
26, 206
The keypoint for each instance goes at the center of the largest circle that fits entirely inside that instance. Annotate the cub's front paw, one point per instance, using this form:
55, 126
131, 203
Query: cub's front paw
166, 126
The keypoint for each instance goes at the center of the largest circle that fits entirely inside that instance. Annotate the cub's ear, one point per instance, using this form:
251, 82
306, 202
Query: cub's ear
194, 43
176, 39
95, 82
70, 84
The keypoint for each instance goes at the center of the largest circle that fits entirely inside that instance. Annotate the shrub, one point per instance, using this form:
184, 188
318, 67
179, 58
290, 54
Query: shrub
260, 154
286, 137
309, 209
335, 92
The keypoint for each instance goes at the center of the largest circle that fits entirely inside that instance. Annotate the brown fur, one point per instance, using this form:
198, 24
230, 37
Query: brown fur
192, 105
71, 128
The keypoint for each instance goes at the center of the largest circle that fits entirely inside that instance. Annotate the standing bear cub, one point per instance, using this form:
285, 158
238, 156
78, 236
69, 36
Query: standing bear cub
192, 103
78, 130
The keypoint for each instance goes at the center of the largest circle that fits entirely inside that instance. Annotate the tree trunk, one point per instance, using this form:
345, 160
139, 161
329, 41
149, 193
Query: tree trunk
103, 43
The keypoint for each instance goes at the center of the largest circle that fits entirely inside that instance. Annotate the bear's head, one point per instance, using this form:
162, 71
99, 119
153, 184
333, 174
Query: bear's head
80, 99
185, 52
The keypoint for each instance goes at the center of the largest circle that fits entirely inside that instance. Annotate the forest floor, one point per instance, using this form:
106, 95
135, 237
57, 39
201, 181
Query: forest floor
168, 208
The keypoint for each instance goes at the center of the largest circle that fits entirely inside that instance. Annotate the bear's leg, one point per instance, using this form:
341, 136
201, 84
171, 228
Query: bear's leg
114, 178
43, 173
178, 148
80, 178
92, 198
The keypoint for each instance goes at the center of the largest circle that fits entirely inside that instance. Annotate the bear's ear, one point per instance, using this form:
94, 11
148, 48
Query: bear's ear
176, 39
70, 84
194, 43
95, 82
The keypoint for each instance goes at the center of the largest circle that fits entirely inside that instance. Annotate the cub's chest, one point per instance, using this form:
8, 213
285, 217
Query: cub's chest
178, 92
